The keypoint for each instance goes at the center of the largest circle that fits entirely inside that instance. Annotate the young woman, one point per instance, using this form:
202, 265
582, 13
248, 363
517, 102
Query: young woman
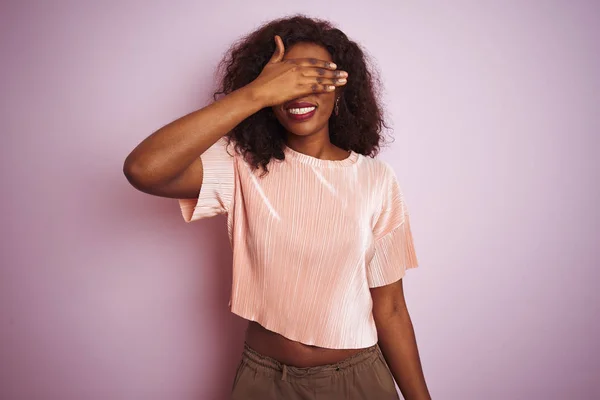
319, 228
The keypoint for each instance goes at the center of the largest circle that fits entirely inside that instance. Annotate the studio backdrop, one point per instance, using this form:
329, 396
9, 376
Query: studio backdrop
106, 293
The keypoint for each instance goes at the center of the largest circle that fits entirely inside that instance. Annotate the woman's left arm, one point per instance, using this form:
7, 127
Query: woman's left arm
397, 340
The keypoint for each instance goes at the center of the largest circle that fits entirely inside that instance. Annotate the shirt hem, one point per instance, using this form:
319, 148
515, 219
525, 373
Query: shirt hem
292, 336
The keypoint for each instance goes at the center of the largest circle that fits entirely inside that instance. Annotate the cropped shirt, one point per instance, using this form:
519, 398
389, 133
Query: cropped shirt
309, 240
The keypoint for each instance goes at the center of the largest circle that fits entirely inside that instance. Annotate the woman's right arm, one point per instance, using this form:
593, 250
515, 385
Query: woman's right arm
167, 163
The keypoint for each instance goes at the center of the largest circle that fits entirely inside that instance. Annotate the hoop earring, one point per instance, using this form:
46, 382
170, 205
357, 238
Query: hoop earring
336, 109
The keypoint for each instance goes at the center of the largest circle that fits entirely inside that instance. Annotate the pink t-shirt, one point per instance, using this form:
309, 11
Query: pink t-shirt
309, 239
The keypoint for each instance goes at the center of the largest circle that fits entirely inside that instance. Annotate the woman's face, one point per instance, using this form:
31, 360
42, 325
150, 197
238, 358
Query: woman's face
297, 124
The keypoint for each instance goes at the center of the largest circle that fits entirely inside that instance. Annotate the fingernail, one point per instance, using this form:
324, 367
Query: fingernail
342, 80
332, 65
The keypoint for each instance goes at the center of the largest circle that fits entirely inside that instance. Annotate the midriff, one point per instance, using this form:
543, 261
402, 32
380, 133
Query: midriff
290, 352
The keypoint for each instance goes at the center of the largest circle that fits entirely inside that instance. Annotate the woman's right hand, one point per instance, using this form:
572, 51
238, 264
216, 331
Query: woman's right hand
281, 80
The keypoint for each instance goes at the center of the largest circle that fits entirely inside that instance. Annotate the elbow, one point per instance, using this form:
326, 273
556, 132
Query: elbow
137, 174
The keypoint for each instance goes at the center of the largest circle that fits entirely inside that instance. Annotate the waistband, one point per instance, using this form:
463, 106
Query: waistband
269, 365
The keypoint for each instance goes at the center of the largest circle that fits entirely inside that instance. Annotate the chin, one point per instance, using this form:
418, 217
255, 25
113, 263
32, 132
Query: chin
306, 128
302, 131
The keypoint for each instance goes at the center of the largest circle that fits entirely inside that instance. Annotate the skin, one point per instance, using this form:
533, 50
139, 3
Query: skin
167, 163
396, 338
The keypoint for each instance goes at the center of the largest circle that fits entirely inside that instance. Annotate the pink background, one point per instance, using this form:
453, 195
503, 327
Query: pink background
105, 293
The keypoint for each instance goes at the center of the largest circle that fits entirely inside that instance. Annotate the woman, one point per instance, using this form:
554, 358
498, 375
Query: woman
320, 232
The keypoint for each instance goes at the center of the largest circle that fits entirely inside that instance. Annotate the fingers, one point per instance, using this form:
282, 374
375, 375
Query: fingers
313, 62
324, 73
325, 81
320, 85
316, 88
279, 50
318, 80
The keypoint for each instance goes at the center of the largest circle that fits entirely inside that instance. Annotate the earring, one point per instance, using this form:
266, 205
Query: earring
337, 106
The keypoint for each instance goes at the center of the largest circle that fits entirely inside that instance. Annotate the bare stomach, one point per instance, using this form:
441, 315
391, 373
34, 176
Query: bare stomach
289, 352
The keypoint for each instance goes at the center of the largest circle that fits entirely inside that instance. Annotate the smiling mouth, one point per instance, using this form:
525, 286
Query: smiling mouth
301, 114
300, 110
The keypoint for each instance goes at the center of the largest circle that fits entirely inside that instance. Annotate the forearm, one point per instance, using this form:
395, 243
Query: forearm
171, 149
399, 347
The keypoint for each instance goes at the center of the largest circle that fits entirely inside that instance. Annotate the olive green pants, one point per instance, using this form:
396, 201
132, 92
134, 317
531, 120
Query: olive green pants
362, 376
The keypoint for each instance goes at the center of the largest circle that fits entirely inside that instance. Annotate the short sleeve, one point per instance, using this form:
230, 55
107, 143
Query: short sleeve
216, 192
394, 251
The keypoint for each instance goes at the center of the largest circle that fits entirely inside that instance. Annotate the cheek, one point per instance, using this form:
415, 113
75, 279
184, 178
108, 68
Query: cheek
279, 113
326, 101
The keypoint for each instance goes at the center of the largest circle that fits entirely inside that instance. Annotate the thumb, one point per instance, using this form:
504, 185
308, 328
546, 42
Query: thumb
279, 50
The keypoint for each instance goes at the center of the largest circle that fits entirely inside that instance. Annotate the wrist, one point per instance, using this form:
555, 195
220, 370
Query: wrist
254, 95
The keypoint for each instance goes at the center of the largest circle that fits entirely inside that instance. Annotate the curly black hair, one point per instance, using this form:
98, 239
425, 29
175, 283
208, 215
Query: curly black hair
260, 137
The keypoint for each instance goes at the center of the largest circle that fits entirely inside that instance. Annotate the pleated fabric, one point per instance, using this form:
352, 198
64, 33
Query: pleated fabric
309, 240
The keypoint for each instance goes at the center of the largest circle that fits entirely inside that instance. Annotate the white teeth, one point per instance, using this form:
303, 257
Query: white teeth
303, 110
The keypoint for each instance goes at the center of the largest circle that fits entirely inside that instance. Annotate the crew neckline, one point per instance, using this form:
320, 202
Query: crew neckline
319, 162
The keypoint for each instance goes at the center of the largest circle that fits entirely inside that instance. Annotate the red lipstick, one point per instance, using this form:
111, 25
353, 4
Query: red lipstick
300, 110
